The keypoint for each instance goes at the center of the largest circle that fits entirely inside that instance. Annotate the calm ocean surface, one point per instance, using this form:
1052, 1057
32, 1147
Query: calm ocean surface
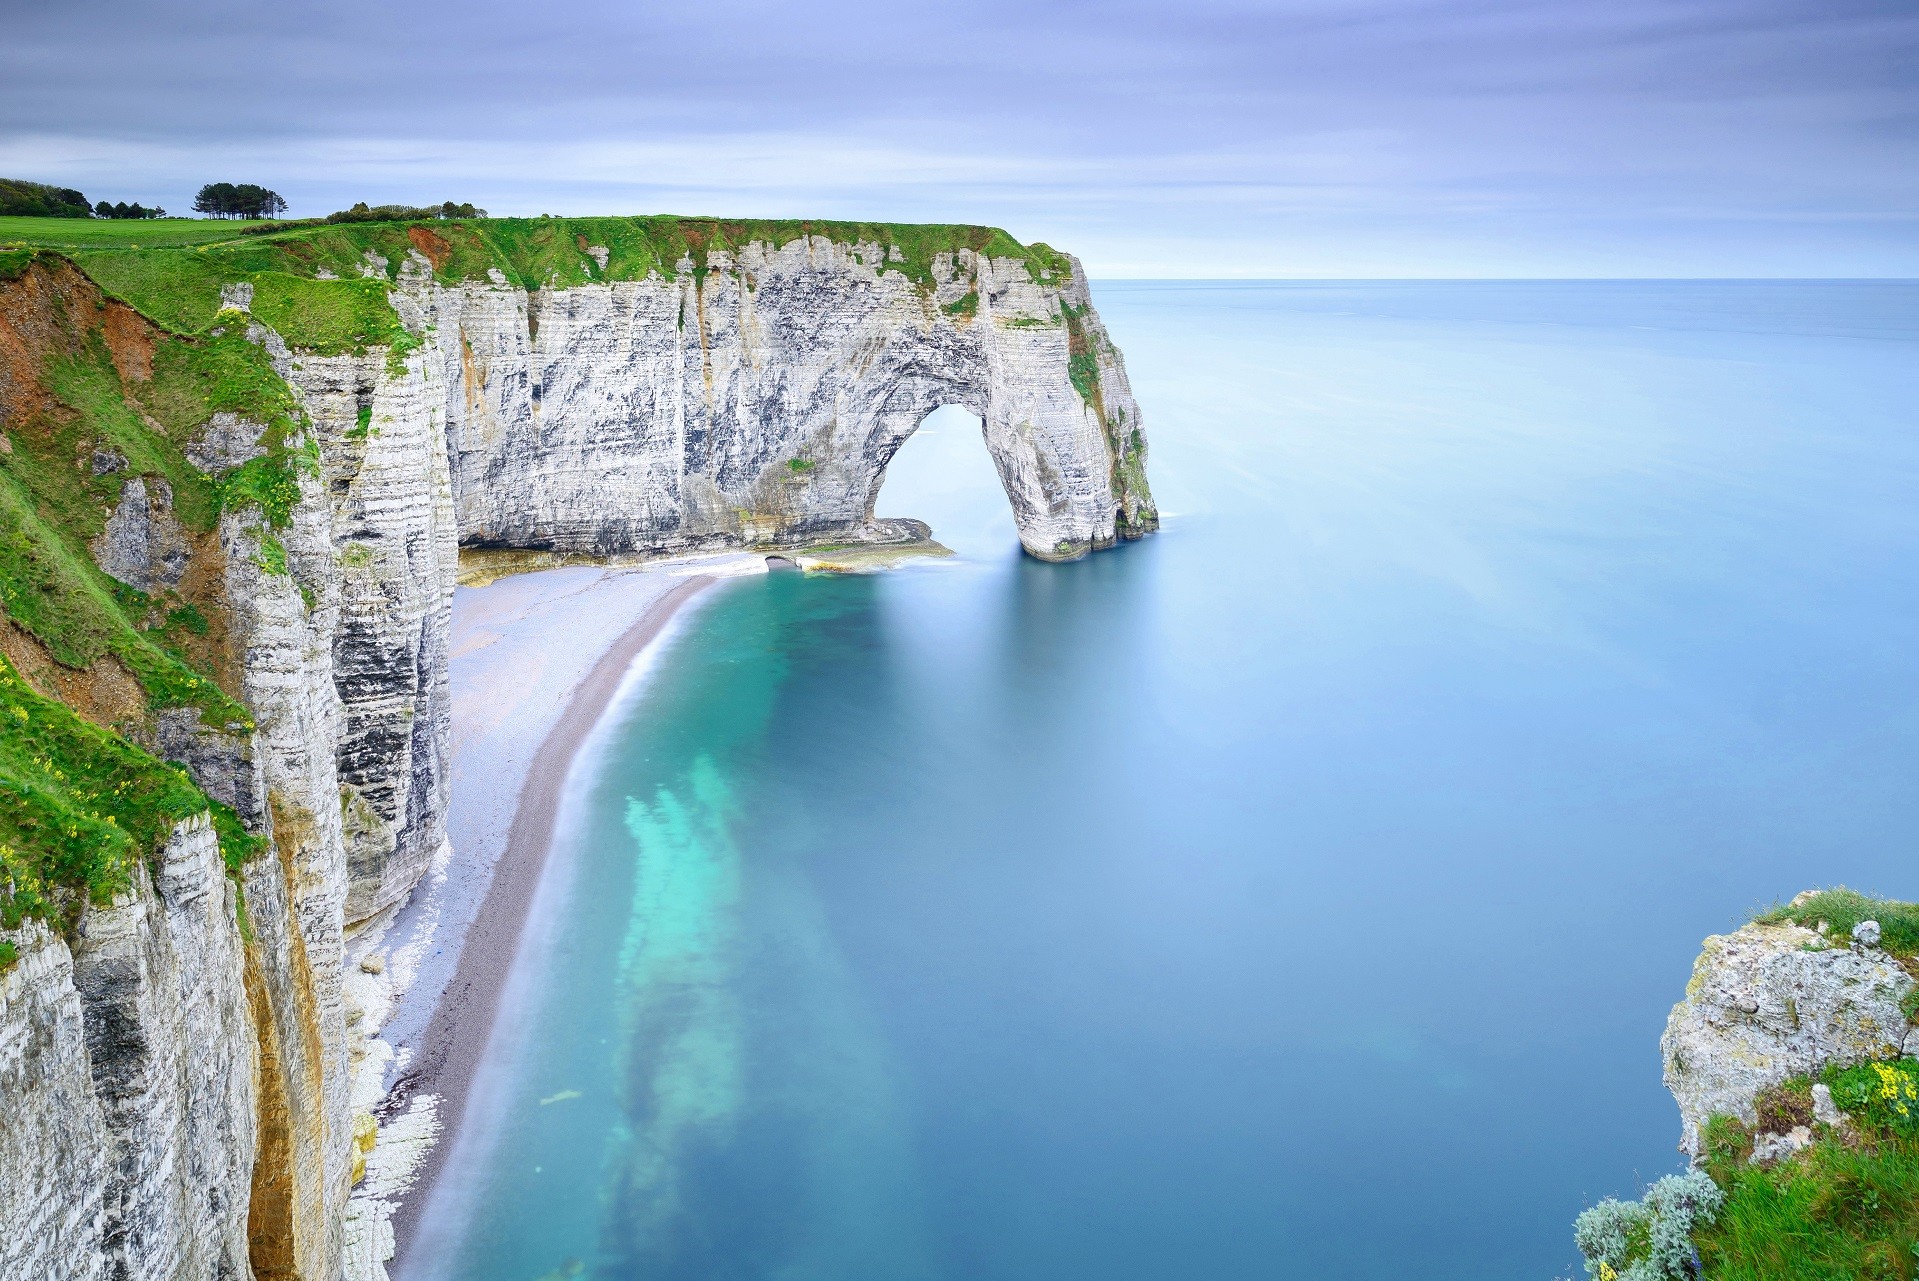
1298, 894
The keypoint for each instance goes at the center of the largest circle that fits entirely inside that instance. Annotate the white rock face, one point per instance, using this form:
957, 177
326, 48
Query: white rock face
53, 1137
288, 684
129, 1073
760, 402
1768, 1148
226, 441
395, 552
1771, 1002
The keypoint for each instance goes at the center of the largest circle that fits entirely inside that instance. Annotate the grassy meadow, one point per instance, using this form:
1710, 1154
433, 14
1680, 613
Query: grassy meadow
118, 233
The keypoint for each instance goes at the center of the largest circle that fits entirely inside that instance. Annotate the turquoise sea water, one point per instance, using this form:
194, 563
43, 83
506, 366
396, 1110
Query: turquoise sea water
1297, 894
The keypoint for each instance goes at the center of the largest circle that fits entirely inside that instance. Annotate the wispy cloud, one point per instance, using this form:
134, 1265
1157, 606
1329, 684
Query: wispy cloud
1216, 137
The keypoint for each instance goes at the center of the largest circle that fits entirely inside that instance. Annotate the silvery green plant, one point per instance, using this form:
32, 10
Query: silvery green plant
1609, 1234
1649, 1240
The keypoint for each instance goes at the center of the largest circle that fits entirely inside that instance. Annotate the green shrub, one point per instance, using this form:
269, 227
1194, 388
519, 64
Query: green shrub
399, 347
1883, 1096
329, 317
188, 618
1779, 1108
1649, 1240
272, 555
1082, 368
269, 483
404, 213
22, 199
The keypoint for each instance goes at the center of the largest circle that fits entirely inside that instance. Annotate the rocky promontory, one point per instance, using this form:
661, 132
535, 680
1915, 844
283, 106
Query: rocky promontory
1791, 1060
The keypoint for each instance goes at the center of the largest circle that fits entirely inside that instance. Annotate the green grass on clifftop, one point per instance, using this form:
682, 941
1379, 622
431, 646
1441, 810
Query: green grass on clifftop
78, 806
539, 253
153, 233
1845, 1209
312, 284
1841, 909
69, 457
180, 289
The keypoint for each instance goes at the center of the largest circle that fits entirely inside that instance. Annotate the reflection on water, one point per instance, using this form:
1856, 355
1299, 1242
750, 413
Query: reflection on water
1297, 894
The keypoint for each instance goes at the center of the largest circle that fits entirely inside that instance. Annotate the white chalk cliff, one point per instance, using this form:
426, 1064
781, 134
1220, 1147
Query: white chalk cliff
173, 1078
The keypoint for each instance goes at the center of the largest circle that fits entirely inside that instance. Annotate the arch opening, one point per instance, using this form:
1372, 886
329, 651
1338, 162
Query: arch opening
944, 475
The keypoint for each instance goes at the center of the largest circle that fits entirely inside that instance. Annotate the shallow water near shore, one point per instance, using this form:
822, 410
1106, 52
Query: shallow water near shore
1296, 894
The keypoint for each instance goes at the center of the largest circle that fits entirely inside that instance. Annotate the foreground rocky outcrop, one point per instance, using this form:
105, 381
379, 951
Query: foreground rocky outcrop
174, 1095
1790, 1059
1774, 1001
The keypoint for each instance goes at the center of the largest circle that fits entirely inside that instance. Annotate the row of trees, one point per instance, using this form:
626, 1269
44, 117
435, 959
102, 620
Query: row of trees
216, 199
108, 209
238, 200
405, 213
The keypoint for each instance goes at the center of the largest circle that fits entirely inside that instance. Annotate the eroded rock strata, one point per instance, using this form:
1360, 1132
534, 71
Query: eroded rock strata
256, 584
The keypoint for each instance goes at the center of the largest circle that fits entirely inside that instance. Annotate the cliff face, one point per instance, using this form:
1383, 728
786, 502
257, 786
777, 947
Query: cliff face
128, 1065
761, 401
173, 1056
392, 560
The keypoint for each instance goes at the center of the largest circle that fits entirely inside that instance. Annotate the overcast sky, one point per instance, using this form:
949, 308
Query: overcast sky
1152, 137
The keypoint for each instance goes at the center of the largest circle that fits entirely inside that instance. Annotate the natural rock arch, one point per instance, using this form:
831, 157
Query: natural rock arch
758, 402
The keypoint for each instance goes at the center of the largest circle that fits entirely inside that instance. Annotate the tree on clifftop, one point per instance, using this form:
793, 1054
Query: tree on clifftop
21, 199
121, 209
242, 200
